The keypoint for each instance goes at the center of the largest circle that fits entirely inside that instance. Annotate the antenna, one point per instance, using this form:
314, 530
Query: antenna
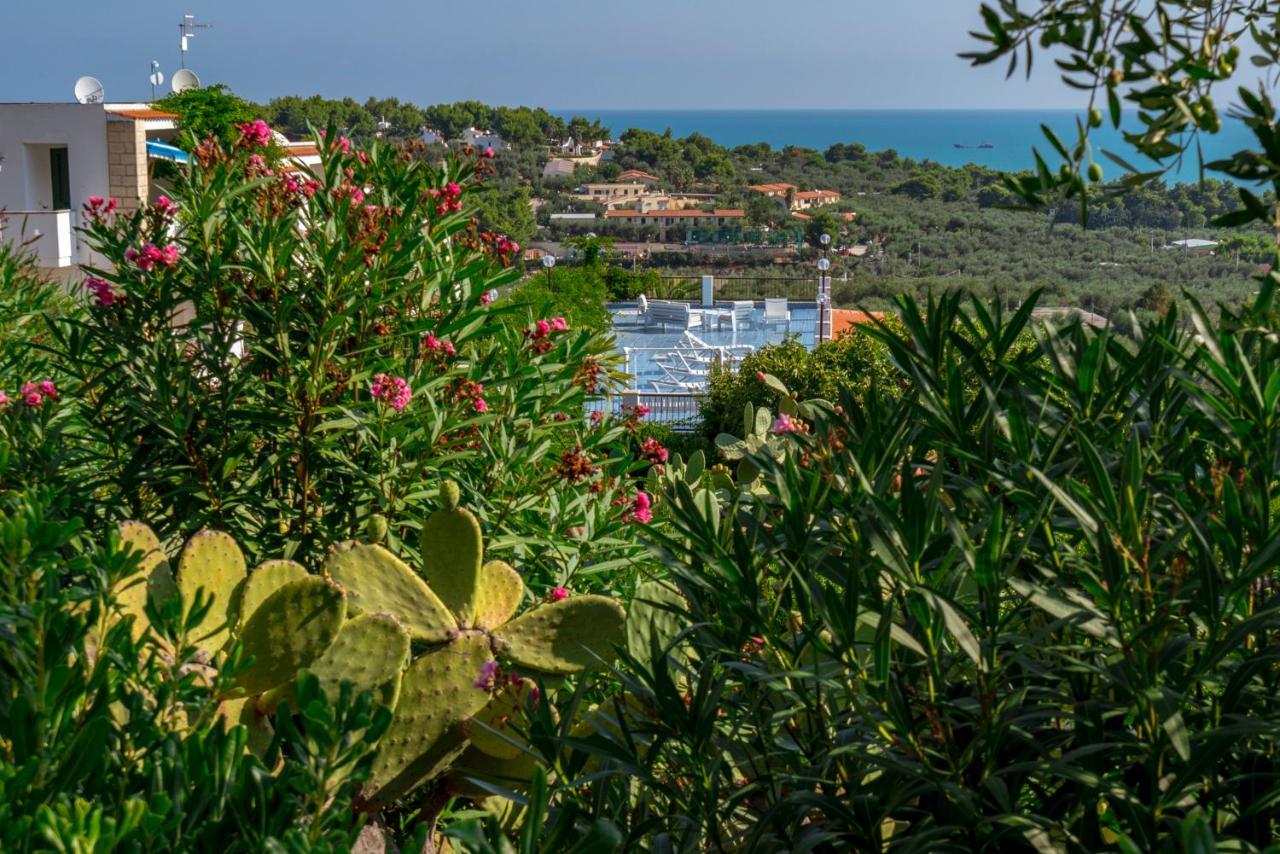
184, 79
187, 30
157, 77
89, 91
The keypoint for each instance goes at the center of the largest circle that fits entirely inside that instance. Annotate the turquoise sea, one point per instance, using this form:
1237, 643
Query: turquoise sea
918, 134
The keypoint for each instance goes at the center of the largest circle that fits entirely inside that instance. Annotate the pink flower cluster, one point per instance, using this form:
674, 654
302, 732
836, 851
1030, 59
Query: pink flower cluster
151, 255
541, 332
641, 509
488, 296
35, 394
258, 168
784, 423
307, 189
559, 594
254, 133
443, 346
104, 294
346, 188
488, 677
447, 199
636, 411
97, 207
488, 153
651, 449
164, 206
393, 391
342, 143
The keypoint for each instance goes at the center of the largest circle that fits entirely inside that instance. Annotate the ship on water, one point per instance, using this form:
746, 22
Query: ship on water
983, 144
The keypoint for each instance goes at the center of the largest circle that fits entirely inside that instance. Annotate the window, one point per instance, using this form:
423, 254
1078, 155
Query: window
60, 179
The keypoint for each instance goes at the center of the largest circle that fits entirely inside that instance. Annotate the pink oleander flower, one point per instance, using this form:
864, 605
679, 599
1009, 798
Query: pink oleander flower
488, 675
480, 405
543, 329
559, 594
641, 509
95, 201
164, 206
640, 410
97, 207
784, 423
4, 400
33, 399
47, 388
309, 189
596, 417
651, 449
760, 376
430, 341
393, 391
488, 297
488, 153
449, 349
559, 324
344, 144
35, 393
254, 133
104, 295
151, 255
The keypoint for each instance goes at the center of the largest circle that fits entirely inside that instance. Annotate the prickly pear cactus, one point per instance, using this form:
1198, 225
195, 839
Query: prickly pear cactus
269, 577
290, 630
465, 608
213, 563
655, 619
153, 580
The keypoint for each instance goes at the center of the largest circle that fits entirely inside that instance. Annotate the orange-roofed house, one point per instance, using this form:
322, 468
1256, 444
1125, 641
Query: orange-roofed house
637, 175
671, 220
803, 200
773, 191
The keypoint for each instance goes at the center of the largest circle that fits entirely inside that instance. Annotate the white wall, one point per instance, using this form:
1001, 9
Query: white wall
28, 131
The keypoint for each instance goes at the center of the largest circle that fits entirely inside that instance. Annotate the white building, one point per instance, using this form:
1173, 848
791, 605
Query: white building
432, 137
53, 157
484, 139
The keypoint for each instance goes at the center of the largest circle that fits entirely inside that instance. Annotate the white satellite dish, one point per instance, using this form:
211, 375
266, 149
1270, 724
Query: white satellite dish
89, 91
184, 79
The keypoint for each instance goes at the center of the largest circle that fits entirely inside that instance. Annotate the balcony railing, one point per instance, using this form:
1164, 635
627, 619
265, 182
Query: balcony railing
677, 410
49, 235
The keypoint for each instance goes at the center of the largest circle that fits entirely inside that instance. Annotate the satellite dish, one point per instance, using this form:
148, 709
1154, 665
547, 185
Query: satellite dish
184, 79
157, 78
89, 91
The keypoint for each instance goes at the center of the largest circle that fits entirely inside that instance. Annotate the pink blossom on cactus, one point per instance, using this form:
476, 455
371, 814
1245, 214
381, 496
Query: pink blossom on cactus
784, 423
488, 675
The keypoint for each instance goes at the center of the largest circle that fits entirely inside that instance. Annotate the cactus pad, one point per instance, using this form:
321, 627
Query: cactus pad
378, 581
439, 691
269, 577
153, 580
654, 618
212, 562
451, 552
369, 652
499, 594
290, 630
490, 731
566, 636
244, 712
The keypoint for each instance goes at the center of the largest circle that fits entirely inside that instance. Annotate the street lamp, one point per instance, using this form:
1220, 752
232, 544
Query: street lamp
548, 261
824, 264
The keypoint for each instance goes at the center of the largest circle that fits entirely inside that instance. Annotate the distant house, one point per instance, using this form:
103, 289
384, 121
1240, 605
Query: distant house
1193, 243
432, 137
484, 139
806, 199
573, 217
682, 219
605, 192
637, 175
581, 148
558, 167
773, 191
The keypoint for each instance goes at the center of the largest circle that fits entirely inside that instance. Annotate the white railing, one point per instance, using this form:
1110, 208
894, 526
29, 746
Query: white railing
47, 234
678, 410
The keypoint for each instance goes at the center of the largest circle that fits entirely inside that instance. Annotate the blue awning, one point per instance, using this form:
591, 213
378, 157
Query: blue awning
164, 151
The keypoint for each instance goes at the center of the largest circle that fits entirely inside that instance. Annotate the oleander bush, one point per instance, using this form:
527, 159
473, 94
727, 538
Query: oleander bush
1039, 618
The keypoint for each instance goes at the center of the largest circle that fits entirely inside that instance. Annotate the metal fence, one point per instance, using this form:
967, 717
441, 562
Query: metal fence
740, 287
677, 410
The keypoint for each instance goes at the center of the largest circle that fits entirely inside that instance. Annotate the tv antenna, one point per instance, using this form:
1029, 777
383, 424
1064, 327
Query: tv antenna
89, 91
156, 78
187, 30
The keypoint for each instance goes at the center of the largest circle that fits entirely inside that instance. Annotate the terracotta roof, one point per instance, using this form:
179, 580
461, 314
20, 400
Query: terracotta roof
798, 215
302, 149
636, 173
816, 194
843, 320
144, 113
848, 216
771, 188
681, 214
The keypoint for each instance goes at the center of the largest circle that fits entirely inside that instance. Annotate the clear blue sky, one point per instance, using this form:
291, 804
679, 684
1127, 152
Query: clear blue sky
560, 54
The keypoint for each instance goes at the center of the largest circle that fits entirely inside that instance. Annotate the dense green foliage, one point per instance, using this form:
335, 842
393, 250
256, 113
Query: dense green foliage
209, 112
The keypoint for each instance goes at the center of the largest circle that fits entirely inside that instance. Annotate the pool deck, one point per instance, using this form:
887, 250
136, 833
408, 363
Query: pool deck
640, 343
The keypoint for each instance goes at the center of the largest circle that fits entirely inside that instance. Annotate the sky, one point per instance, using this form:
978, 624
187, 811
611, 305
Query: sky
559, 54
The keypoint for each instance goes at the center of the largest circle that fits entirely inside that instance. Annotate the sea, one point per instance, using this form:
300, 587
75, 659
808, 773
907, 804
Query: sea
998, 139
